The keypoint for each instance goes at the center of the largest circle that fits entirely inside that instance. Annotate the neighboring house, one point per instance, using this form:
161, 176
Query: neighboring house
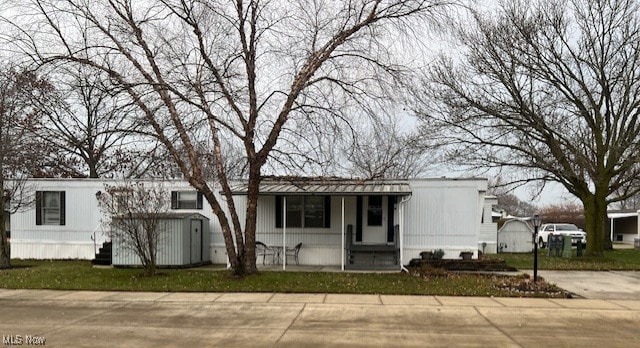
515, 236
624, 226
487, 240
340, 222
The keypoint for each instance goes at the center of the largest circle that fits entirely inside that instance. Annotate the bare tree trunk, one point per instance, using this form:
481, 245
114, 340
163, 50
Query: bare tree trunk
5, 257
595, 213
249, 256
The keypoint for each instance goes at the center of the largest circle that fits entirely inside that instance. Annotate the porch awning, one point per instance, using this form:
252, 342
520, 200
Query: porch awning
618, 215
336, 187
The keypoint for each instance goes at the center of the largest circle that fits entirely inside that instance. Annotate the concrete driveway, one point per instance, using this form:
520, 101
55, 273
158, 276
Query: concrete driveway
142, 319
619, 285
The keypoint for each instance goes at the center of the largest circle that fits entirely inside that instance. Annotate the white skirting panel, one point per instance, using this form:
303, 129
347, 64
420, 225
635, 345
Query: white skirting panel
490, 248
45, 251
218, 254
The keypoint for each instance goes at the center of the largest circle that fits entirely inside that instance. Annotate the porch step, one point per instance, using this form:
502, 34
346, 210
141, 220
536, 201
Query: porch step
103, 257
373, 258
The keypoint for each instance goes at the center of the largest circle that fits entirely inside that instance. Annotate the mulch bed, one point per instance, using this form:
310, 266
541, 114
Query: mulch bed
476, 265
517, 285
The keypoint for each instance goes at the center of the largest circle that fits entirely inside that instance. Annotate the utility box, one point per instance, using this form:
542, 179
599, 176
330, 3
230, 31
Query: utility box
566, 247
555, 244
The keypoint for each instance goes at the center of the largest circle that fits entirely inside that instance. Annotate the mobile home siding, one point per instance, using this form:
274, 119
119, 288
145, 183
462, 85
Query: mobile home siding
488, 228
83, 220
72, 240
443, 214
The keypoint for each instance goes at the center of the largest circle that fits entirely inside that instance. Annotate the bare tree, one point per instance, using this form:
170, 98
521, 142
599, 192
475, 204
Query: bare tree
134, 211
241, 70
551, 88
567, 212
381, 150
19, 92
92, 124
513, 205
508, 200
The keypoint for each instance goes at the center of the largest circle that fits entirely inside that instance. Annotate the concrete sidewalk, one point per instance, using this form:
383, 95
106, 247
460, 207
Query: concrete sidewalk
134, 319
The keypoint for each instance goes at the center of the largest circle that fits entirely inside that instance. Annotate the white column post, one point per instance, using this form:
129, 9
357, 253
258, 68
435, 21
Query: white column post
342, 253
401, 231
638, 224
611, 221
284, 233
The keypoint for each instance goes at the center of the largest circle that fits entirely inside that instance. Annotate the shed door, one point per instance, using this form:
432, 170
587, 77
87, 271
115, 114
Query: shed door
196, 241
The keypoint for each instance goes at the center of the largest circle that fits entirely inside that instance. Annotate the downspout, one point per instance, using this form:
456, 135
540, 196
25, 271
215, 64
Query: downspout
342, 262
284, 233
638, 228
401, 230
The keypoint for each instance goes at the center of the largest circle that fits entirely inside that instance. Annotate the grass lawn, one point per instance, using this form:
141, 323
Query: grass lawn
620, 259
79, 275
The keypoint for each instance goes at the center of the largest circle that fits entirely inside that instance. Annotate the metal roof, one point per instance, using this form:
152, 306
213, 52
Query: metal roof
342, 187
160, 216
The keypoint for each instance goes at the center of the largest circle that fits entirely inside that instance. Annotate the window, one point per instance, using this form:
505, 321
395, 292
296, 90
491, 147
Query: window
314, 211
294, 211
122, 200
50, 208
186, 200
304, 211
374, 211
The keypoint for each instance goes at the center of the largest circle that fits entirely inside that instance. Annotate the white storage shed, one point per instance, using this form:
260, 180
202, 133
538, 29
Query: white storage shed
515, 236
184, 240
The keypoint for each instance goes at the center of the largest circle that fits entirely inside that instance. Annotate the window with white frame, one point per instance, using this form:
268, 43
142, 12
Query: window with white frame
186, 200
50, 207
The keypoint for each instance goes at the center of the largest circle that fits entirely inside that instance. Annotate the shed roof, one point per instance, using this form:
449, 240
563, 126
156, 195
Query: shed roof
523, 221
327, 186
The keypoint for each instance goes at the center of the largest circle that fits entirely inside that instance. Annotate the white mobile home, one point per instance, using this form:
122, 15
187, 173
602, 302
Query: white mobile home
340, 222
369, 224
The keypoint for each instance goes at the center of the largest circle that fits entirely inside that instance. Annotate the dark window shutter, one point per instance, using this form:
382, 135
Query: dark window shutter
38, 207
390, 230
327, 211
62, 209
359, 219
278, 211
174, 200
199, 201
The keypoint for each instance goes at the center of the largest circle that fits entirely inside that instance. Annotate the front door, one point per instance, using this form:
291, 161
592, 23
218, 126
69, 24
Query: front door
374, 220
196, 241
